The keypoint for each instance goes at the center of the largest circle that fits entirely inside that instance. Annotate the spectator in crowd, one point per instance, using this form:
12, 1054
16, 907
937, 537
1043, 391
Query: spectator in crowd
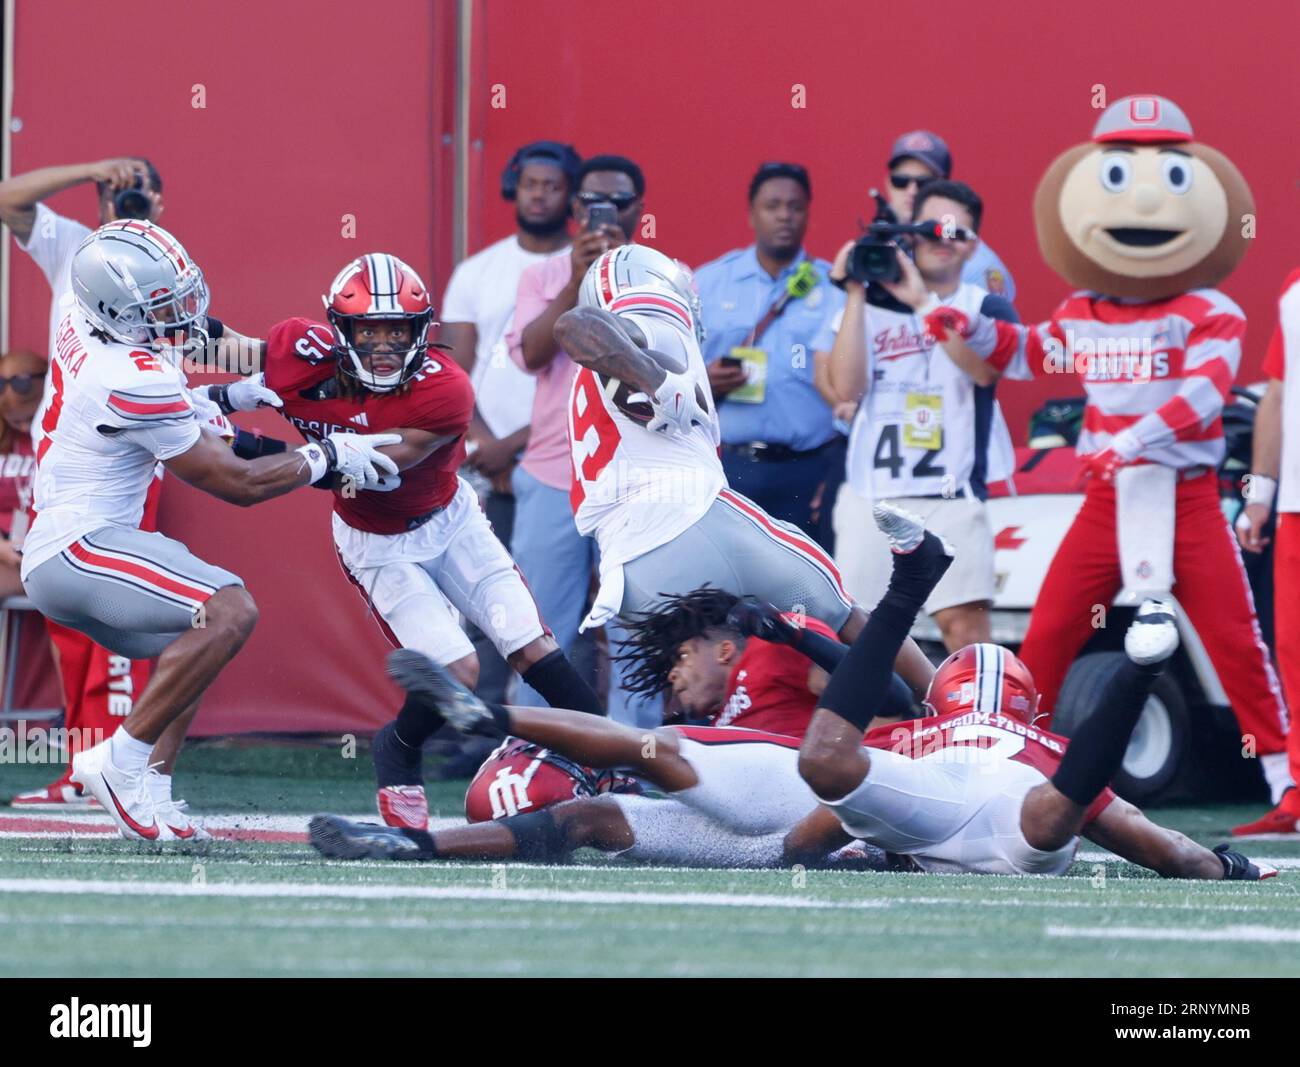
476, 312
555, 559
21, 376
924, 431
762, 308
1274, 483
919, 157
98, 686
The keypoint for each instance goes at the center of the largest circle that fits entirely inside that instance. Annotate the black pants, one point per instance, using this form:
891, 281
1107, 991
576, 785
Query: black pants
783, 488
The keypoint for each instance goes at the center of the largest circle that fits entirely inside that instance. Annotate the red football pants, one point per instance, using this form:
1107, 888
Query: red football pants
1209, 582
99, 687
1286, 620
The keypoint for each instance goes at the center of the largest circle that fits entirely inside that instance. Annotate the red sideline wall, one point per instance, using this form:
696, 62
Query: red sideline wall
313, 113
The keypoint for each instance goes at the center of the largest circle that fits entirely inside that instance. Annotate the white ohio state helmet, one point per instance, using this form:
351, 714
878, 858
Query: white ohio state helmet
135, 282
634, 275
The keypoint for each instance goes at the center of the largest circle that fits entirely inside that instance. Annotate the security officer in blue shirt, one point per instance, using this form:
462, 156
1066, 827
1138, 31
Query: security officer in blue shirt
762, 307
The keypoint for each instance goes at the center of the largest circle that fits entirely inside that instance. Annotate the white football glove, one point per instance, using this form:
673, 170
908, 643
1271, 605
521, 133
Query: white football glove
675, 406
357, 456
247, 394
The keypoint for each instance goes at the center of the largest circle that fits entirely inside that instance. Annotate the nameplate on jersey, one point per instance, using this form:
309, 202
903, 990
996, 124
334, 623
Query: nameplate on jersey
754, 362
923, 420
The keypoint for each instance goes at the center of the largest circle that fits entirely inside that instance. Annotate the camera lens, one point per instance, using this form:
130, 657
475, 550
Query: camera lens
131, 204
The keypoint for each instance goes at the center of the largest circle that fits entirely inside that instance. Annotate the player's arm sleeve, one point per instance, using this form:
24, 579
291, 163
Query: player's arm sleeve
158, 416
1210, 364
448, 411
53, 241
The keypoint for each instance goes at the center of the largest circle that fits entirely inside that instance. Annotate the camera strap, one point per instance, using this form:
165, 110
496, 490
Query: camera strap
800, 284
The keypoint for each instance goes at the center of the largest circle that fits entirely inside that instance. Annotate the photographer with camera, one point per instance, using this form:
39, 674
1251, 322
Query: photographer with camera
129, 187
919, 157
924, 432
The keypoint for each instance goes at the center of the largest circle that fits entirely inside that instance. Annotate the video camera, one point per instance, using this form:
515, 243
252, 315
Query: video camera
132, 202
874, 257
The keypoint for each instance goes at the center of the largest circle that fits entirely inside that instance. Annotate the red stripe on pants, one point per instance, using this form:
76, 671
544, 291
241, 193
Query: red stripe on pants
1210, 584
1286, 620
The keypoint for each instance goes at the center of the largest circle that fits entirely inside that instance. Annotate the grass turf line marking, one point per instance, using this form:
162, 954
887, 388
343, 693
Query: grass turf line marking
385, 892
1266, 934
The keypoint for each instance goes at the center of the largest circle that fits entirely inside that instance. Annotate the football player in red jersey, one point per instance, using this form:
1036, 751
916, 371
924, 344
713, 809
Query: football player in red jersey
419, 549
967, 790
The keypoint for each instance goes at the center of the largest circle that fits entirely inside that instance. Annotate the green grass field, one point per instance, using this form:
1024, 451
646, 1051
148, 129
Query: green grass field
77, 904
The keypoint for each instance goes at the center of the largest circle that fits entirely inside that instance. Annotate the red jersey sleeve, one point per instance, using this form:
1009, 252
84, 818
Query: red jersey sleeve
446, 405
298, 355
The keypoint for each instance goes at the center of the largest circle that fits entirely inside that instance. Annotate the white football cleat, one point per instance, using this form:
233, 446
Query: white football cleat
1152, 636
124, 795
904, 530
171, 813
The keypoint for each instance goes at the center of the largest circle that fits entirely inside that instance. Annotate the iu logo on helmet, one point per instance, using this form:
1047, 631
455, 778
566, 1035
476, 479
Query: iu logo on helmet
508, 792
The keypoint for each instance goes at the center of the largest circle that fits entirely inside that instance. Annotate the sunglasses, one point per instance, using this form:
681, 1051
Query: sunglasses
902, 181
619, 200
21, 383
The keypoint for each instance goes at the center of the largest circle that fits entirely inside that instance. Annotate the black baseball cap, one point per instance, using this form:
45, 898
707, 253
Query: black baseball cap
929, 148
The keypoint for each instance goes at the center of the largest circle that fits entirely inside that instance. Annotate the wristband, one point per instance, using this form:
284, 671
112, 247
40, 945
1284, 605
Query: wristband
220, 395
318, 460
247, 445
1258, 489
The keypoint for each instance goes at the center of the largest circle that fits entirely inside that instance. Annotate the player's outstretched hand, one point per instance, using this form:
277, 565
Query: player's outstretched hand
357, 456
676, 405
247, 394
757, 618
1239, 868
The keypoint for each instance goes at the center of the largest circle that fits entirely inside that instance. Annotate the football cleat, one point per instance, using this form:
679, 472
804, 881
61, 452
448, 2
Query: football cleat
417, 673
171, 813
919, 554
1239, 868
60, 794
340, 839
1284, 819
403, 805
124, 795
1152, 636
904, 530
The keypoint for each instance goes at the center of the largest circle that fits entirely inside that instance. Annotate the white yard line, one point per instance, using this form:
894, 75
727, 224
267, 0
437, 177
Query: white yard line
1264, 934
298, 890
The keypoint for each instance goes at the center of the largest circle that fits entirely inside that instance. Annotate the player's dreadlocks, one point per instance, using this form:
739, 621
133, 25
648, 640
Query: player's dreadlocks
654, 636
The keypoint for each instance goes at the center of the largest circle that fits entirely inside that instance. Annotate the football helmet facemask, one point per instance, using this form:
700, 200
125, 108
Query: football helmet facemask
378, 288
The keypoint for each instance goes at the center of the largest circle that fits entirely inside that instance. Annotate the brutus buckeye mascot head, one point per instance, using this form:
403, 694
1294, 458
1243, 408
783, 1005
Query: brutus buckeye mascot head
1142, 211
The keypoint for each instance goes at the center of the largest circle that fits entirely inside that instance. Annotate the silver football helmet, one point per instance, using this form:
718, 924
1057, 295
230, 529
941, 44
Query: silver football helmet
135, 282
630, 269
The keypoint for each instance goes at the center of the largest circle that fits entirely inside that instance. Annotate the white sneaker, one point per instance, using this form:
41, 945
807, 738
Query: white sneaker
124, 795
171, 813
1152, 637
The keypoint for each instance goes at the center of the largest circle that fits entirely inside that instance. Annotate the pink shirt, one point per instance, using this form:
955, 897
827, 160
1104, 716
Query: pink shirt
547, 456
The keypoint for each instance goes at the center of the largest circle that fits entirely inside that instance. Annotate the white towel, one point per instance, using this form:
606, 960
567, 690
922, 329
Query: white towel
1144, 525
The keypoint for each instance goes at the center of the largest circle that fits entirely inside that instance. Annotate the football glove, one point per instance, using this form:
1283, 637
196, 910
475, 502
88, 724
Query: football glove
357, 456
676, 408
1237, 868
757, 618
247, 394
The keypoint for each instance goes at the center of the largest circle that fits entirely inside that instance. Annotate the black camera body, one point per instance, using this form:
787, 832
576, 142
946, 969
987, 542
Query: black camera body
132, 202
874, 256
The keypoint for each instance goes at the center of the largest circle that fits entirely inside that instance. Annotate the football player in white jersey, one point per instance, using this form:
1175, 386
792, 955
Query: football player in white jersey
119, 404
647, 480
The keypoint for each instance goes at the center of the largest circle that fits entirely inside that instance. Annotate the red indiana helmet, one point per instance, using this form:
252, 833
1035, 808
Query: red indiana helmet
983, 677
378, 287
520, 777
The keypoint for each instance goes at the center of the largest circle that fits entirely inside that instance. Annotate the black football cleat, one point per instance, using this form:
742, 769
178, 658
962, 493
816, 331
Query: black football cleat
340, 839
417, 673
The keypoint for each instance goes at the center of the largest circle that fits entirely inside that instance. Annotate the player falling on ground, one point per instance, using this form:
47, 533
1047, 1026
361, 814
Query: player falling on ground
422, 551
119, 405
733, 793
647, 481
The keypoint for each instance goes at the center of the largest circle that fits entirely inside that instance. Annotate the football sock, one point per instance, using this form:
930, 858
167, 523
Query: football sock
561, 686
417, 721
1097, 748
861, 684
129, 754
396, 762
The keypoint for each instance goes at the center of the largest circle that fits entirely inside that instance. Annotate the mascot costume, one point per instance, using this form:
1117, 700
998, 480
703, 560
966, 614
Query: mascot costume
1144, 222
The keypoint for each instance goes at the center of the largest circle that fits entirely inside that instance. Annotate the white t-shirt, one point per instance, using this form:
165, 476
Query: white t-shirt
923, 428
1288, 493
482, 291
51, 245
117, 412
